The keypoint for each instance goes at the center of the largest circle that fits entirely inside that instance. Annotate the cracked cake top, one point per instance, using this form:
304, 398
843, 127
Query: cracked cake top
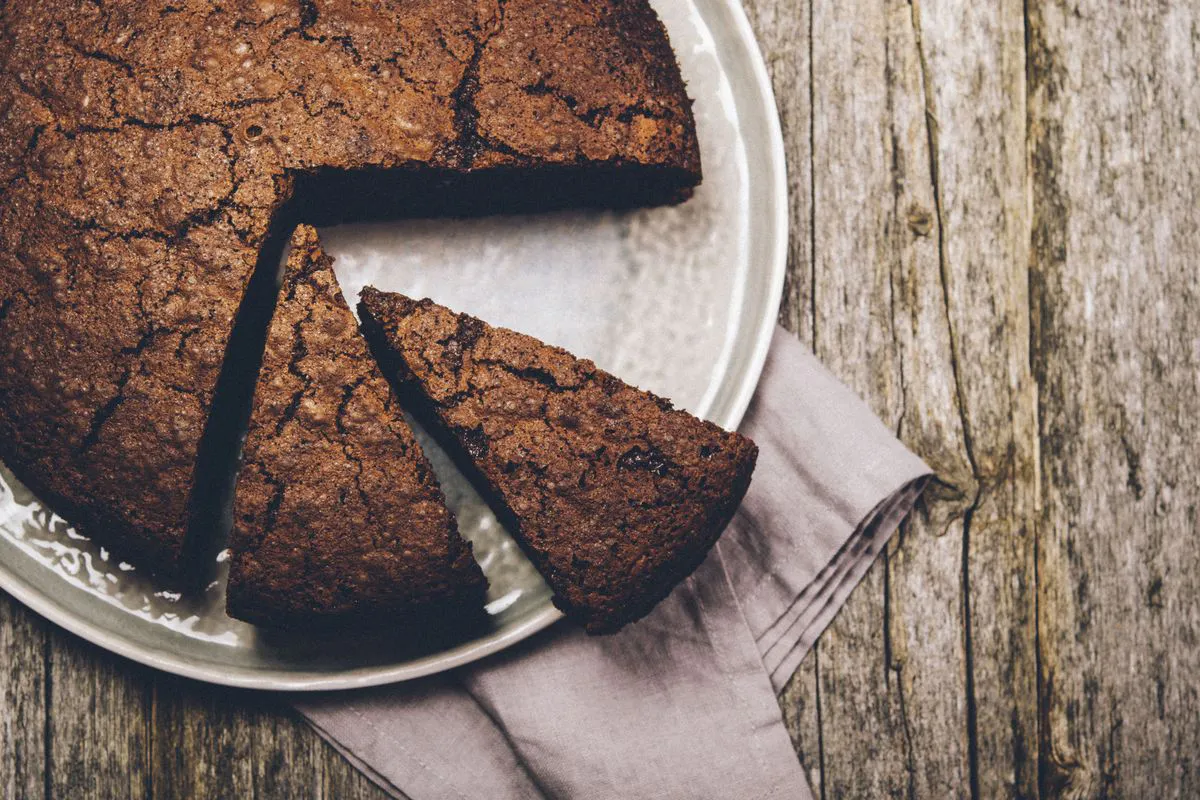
338, 517
614, 495
147, 149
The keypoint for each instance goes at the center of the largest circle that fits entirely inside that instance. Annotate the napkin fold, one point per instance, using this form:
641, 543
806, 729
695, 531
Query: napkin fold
683, 703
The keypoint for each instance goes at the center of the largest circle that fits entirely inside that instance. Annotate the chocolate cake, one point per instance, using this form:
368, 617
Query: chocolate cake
613, 494
153, 152
338, 517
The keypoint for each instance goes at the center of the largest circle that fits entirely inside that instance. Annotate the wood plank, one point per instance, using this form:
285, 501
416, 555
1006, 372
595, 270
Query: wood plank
881, 77
284, 754
217, 742
98, 741
22, 700
973, 59
202, 742
1114, 118
892, 673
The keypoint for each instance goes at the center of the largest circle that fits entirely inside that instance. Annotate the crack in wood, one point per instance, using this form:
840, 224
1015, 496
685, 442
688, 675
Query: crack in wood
932, 130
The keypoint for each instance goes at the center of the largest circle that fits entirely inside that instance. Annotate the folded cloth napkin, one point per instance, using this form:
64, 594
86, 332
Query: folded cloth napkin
683, 703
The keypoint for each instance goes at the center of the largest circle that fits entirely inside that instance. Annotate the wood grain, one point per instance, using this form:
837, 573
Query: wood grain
98, 723
877, 284
995, 214
974, 73
213, 742
1115, 141
23, 642
899, 274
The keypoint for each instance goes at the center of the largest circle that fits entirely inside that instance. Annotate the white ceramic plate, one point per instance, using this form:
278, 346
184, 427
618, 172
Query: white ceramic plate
681, 301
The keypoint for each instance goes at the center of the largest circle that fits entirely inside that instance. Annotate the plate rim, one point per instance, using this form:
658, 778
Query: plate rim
312, 680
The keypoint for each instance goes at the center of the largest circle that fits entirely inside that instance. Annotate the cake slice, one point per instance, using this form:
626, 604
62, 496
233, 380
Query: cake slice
614, 495
338, 517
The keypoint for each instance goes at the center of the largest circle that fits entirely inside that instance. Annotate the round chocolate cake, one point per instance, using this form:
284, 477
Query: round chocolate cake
154, 155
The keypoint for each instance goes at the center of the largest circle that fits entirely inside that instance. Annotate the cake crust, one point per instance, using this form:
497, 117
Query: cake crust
338, 518
148, 150
615, 495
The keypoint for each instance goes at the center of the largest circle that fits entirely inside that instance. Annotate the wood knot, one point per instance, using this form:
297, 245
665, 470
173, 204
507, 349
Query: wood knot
920, 221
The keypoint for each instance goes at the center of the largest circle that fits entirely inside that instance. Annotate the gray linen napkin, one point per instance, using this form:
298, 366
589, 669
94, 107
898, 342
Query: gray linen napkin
681, 704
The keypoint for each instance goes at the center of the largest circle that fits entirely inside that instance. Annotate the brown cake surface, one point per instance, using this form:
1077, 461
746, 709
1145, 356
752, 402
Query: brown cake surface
148, 148
614, 495
338, 516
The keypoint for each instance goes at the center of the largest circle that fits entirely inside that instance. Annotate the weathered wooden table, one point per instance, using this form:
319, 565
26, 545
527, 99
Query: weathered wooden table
996, 240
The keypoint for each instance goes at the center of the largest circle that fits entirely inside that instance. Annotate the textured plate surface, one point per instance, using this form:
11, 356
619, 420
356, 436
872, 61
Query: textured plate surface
681, 301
